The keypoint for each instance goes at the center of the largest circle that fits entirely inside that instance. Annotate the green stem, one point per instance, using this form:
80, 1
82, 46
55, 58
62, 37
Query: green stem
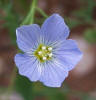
41, 12
30, 17
33, 11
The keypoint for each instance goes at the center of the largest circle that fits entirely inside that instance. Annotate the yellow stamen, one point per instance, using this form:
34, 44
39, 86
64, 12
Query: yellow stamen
43, 53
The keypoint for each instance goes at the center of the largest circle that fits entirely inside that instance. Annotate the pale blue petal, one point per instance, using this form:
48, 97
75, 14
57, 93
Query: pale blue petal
54, 28
28, 36
68, 54
27, 66
53, 74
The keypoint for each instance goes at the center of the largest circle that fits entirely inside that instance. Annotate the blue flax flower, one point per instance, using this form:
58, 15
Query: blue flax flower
48, 54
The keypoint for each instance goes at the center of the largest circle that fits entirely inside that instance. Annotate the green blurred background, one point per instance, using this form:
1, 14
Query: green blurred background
80, 16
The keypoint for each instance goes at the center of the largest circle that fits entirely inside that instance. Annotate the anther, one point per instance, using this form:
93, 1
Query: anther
43, 47
44, 58
50, 48
50, 55
40, 52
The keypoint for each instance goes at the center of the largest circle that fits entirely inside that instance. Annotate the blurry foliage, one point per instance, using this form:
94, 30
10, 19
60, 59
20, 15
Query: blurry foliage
24, 87
11, 20
11, 17
72, 22
85, 13
22, 4
50, 93
3, 2
90, 35
87, 97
